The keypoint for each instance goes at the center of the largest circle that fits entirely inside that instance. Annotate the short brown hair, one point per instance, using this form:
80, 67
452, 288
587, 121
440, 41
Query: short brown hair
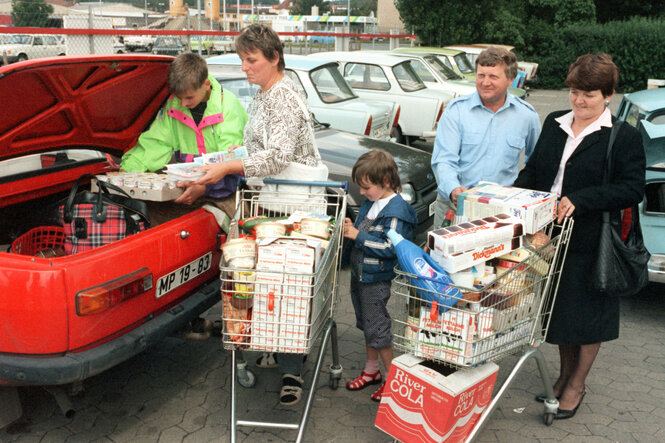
187, 72
263, 38
377, 166
591, 72
496, 55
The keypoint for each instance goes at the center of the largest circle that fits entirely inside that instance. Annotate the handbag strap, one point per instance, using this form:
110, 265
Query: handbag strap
608, 161
608, 157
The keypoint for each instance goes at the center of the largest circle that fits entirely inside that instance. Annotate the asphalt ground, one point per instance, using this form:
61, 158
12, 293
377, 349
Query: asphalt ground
179, 390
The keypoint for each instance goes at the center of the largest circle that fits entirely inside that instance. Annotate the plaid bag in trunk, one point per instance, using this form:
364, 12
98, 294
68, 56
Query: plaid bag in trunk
93, 219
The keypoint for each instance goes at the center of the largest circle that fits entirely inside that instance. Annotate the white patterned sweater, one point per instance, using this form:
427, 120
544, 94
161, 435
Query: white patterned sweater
276, 112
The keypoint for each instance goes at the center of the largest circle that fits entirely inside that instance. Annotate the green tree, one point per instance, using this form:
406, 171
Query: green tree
304, 7
31, 13
607, 10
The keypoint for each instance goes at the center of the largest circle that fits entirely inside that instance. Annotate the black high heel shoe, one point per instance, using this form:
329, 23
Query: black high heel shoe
562, 414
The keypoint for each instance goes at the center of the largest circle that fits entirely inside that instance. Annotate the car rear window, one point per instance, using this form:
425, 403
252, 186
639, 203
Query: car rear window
441, 68
365, 76
464, 64
330, 85
407, 78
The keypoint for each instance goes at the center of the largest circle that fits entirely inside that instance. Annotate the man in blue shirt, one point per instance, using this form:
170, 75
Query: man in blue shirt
480, 136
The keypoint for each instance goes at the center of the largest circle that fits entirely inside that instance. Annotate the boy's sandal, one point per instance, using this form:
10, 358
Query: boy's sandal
378, 394
291, 389
267, 360
363, 380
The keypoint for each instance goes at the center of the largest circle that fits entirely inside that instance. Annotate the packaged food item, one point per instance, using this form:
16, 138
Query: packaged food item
184, 171
220, 157
270, 229
475, 234
240, 253
243, 292
535, 208
463, 260
141, 185
315, 227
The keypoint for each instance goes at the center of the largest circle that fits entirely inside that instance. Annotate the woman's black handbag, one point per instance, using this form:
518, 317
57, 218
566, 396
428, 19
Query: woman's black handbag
621, 266
93, 219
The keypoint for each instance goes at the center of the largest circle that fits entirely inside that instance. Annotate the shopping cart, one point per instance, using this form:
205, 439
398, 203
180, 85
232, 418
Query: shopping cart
506, 316
284, 312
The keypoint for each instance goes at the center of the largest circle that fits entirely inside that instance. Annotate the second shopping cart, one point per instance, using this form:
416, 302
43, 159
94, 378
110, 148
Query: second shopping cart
279, 292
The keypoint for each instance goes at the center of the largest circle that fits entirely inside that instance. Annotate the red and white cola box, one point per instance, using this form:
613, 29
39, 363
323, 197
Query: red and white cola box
535, 208
421, 404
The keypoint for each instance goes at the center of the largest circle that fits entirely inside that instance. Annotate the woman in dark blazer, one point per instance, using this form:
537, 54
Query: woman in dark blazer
568, 159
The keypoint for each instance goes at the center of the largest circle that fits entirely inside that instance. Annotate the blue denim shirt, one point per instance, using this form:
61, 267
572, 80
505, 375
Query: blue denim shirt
475, 144
379, 256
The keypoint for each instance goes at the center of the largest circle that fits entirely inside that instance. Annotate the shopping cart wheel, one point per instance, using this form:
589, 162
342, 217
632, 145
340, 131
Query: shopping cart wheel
246, 378
548, 419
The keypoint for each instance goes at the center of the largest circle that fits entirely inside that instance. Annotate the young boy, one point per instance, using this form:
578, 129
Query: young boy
372, 258
198, 118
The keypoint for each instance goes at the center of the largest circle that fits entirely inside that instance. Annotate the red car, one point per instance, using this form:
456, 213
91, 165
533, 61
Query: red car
66, 117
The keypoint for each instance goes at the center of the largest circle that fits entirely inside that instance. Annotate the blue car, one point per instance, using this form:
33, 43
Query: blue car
645, 110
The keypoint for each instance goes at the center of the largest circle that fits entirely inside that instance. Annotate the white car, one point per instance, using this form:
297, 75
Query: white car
21, 47
374, 75
472, 51
329, 96
436, 74
139, 42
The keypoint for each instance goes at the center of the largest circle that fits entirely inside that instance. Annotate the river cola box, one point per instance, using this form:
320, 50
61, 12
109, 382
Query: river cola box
426, 403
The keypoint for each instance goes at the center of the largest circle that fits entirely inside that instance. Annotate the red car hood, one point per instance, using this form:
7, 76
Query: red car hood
92, 102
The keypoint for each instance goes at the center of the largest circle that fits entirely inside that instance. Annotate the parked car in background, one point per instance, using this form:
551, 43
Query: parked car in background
167, 45
119, 45
437, 75
383, 76
21, 47
68, 318
340, 151
452, 58
139, 42
329, 96
472, 52
645, 110
212, 44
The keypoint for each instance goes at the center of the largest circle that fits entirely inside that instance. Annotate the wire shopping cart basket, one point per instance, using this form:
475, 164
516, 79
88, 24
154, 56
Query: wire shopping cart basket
287, 301
506, 316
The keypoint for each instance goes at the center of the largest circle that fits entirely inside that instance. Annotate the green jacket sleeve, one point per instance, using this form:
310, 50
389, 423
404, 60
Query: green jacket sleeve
154, 147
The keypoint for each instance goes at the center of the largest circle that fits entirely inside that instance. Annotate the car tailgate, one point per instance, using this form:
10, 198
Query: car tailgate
161, 250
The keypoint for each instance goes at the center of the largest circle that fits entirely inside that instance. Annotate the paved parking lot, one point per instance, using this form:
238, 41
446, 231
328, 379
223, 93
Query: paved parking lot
179, 391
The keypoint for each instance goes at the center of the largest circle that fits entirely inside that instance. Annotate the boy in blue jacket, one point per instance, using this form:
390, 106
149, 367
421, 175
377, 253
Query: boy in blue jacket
372, 258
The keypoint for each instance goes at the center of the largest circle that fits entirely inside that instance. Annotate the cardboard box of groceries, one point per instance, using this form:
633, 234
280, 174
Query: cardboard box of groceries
425, 402
535, 208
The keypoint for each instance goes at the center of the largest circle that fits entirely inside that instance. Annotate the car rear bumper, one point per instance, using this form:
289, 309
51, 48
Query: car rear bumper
21, 370
657, 268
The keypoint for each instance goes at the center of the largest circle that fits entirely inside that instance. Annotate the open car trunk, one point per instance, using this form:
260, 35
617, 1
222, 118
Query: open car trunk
79, 112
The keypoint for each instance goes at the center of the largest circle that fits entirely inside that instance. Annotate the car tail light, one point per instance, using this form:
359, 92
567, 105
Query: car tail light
368, 129
399, 109
102, 297
440, 112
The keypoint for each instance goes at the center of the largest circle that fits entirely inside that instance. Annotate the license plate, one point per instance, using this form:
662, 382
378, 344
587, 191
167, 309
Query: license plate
182, 275
432, 207
380, 132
